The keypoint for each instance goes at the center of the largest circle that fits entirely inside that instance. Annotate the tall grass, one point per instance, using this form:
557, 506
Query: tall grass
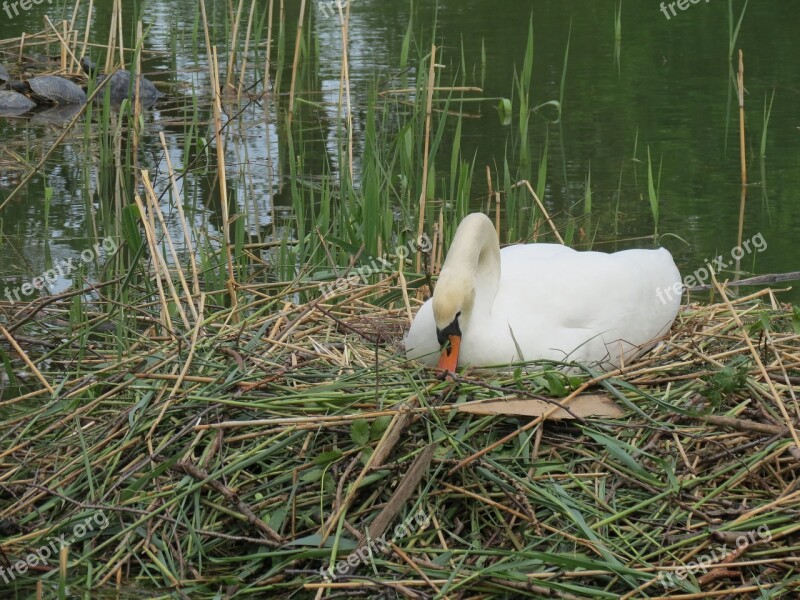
653, 188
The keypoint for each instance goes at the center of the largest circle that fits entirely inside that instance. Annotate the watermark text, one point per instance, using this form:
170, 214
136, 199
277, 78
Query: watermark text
669, 7
362, 554
704, 561
16, 5
703, 274
62, 268
42, 555
362, 273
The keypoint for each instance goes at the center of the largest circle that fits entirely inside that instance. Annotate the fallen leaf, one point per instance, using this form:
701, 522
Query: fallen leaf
587, 405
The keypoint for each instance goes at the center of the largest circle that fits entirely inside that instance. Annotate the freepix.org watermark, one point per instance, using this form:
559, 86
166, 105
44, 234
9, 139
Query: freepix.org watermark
42, 555
703, 274
329, 8
669, 7
16, 5
362, 273
360, 556
62, 268
704, 561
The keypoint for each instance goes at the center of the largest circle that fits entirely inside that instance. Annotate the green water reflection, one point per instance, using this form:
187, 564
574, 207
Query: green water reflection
663, 84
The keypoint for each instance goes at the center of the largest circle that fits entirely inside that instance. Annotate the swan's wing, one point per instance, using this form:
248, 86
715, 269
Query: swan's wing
585, 306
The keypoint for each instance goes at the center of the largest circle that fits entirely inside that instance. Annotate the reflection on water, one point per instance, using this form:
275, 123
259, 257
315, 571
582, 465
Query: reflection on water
55, 115
662, 85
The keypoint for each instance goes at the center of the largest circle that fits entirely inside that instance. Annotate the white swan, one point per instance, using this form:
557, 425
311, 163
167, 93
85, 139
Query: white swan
542, 301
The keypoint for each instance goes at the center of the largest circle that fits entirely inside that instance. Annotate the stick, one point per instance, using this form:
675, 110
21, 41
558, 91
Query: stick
757, 280
541, 208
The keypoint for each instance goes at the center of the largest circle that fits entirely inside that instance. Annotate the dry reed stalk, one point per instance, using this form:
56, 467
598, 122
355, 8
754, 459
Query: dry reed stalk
119, 38
87, 28
344, 84
384, 447
296, 60
268, 54
155, 209
24, 356
152, 244
208, 45
246, 50
111, 45
223, 187
21, 47
64, 47
437, 88
742, 159
541, 208
267, 115
63, 40
137, 124
184, 370
406, 301
426, 151
233, 48
187, 232
73, 20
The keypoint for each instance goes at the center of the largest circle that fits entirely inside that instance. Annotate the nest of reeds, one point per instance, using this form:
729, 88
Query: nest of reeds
292, 447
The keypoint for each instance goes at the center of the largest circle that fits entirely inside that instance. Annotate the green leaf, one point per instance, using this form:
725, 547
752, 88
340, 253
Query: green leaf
668, 465
130, 227
761, 325
9, 369
373, 477
277, 518
312, 476
325, 458
315, 541
619, 450
796, 319
504, 109
379, 425
359, 432
726, 381
555, 383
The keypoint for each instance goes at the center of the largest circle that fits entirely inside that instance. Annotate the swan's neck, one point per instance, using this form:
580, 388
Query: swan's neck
476, 251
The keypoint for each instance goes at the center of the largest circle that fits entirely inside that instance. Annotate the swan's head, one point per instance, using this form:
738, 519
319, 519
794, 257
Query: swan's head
452, 304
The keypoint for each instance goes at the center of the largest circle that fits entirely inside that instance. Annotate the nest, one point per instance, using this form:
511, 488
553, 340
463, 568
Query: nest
292, 446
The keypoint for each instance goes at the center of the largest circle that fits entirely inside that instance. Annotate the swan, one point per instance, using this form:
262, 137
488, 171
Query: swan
542, 302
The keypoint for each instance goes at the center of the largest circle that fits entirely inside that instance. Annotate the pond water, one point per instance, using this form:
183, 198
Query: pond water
637, 79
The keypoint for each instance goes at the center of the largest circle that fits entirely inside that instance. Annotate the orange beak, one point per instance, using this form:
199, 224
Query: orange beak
448, 361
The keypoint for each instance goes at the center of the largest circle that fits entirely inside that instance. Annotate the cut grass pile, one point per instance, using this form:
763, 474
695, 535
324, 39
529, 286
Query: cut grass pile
241, 459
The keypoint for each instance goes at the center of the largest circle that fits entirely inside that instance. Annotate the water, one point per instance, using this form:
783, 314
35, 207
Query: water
664, 85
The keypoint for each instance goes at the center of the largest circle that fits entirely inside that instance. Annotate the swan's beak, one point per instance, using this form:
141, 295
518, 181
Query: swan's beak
448, 361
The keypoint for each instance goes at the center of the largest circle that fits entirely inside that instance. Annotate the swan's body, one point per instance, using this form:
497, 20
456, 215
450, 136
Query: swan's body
543, 301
